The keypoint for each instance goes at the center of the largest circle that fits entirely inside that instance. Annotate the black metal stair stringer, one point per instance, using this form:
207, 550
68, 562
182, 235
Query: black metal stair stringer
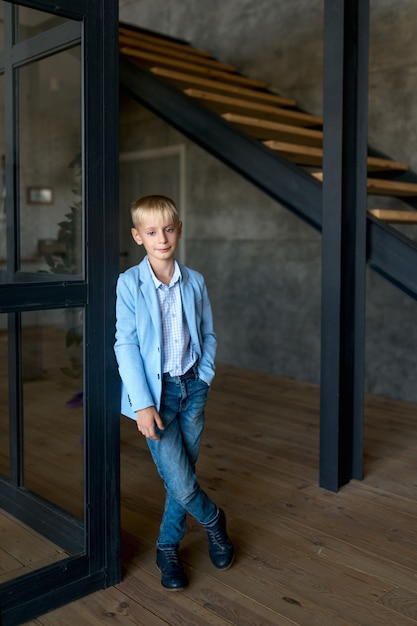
392, 255
389, 253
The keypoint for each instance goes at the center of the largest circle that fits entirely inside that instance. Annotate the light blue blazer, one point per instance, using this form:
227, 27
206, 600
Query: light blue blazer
138, 345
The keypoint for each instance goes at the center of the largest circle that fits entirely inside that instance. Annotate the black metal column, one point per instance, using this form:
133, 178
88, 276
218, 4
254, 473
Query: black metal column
346, 38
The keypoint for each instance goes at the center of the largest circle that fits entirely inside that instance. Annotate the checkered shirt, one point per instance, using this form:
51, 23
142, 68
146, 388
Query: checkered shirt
177, 353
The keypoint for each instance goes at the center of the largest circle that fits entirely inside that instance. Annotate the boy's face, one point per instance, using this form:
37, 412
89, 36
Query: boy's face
158, 235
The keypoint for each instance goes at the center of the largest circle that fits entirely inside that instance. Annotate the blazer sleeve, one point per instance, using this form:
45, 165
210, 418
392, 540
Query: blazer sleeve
135, 388
206, 365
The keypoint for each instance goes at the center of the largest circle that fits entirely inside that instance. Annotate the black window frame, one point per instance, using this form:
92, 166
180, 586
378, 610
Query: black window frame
97, 565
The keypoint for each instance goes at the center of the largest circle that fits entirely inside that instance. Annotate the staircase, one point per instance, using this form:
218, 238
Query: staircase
264, 136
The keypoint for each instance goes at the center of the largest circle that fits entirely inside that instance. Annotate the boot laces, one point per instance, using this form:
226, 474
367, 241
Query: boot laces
216, 536
172, 556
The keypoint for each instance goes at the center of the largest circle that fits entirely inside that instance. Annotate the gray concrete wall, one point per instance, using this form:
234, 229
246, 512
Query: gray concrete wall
261, 263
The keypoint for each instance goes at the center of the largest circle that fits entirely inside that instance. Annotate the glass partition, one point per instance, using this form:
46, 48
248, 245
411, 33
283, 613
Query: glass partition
41, 349
59, 457
32, 22
3, 244
50, 164
4, 395
52, 373
1, 26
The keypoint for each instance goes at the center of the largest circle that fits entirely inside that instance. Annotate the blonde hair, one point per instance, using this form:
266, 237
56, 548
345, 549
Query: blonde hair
158, 204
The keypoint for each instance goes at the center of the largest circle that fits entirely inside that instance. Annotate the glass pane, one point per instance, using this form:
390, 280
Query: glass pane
1, 25
50, 165
3, 248
32, 22
4, 395
53, 406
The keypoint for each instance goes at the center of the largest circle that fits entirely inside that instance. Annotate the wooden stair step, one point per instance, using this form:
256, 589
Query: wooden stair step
301, 155
162, 42
265, 129
152, 59
379, 164
131, 42
384, 187
219, 86
310, 156
395, 217
222, 103
181, 79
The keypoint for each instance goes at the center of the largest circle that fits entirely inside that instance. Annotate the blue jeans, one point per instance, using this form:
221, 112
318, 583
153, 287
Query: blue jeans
175, 454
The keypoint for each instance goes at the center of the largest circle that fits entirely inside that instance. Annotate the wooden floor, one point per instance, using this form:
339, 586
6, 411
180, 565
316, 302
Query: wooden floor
304, 555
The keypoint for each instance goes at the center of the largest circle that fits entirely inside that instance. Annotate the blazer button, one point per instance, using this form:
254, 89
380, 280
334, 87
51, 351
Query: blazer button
159, 377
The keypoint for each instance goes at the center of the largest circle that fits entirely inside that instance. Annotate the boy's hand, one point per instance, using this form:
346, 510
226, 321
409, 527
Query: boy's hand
146, 420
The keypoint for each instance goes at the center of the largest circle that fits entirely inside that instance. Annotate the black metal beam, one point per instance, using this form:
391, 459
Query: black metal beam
392, 255
346, 39
58, 526
74, 9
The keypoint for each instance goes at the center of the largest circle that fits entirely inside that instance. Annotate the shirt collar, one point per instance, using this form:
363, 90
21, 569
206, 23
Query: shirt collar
175, 277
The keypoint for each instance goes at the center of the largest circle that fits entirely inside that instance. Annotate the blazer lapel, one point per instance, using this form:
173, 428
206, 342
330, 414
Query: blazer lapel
147, 287
187, 293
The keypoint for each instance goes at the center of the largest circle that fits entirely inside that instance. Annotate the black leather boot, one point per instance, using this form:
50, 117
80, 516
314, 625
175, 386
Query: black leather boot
173, 576
221, 550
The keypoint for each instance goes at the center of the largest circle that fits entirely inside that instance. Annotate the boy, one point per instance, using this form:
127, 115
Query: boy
165, 348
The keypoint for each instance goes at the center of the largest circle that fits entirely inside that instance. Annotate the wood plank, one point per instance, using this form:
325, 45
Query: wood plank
391, 187
310, 156
174, 608
210, 589
227, 104
181, 78
342, 554
378, 164
401, 601
131, 42
298, 542
103, 607
388, 472
361, 526
23, 550
384, 187
151, 59
299, 154
162, 41
265, 129
260, 575
395, 217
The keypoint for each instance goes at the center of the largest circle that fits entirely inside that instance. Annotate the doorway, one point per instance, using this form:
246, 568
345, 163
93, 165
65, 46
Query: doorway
145, 172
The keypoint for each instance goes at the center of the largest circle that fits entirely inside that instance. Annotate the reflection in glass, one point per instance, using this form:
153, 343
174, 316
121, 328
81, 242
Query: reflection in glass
53, 406
1, 25
50, 166
2, 178
4, 395
32, 22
